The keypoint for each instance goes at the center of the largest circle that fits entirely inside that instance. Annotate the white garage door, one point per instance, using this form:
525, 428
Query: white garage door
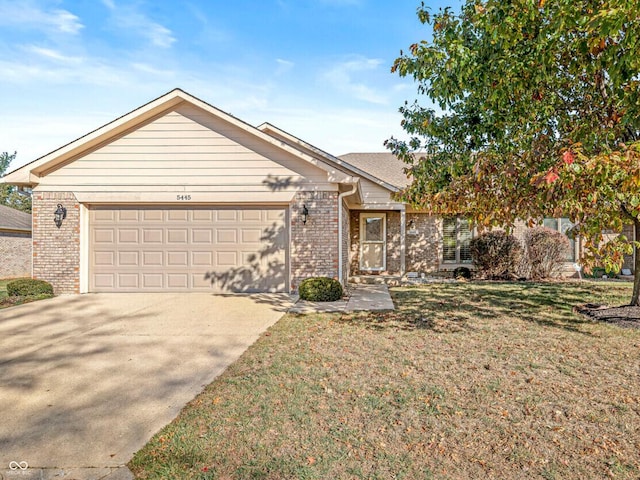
187, 249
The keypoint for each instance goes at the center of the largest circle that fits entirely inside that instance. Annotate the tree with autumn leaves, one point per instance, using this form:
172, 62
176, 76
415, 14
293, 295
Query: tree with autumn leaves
536, 114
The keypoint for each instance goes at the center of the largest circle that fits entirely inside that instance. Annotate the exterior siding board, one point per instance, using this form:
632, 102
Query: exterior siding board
186, 147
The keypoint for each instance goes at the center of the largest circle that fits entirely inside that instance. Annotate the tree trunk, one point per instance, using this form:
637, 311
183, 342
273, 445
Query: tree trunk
635, 298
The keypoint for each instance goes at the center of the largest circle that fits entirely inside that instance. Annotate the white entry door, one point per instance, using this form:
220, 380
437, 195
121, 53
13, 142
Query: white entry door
373, 244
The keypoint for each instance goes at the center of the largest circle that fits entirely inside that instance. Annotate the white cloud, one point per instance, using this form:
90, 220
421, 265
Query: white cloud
283, 66
24, 14
341, 77
53, 54
130, 19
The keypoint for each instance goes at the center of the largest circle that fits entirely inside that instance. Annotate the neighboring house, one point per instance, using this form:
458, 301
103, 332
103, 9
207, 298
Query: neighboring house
15, 243
180, 196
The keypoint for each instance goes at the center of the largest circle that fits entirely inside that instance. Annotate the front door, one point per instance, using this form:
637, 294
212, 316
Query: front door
373, 244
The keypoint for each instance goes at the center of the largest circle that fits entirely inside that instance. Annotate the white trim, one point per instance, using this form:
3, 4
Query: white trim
341, 197
84, 249
383, 216
185, 199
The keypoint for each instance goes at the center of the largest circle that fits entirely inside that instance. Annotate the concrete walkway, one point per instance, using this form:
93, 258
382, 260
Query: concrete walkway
86, 380
360, 297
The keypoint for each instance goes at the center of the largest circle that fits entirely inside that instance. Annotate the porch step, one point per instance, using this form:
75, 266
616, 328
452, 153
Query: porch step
376, 279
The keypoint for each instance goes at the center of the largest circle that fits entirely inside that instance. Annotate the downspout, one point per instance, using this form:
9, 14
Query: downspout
341, 196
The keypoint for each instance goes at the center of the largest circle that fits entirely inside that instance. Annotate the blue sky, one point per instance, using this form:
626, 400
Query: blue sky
319, 69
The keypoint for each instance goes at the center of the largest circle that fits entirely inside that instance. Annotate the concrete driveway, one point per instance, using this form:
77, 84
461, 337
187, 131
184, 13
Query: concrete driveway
86, 380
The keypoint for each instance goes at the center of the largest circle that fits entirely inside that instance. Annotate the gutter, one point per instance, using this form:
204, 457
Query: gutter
341, 196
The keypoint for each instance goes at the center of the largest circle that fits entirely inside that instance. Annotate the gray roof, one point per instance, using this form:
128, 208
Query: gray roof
12, 219
384, 166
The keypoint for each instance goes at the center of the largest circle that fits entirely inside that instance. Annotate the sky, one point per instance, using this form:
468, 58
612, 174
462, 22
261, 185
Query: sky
318, 69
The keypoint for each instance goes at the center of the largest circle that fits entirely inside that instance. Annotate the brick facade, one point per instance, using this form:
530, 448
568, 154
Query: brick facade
424, 246
15, 252
314, 245
56, 251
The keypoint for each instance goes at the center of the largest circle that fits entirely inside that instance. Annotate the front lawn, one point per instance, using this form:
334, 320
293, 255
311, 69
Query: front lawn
466, 380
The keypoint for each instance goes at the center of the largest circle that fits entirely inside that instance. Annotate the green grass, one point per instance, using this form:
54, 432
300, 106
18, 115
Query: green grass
3, 286
466, 380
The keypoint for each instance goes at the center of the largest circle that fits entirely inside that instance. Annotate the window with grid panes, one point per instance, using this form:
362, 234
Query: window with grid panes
456, 236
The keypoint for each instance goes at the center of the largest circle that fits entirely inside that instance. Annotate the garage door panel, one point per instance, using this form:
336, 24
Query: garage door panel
152, 280
128, 259
152, 259
128, 235
104, 280
227, 215
152, 235
153, 215
128, 216
226, 259
178, 259
128, 280
177, 235
199, 235
178, 215
251, 215
229, 235
104, 235
177, 280
204, 248
104, 258
202, 259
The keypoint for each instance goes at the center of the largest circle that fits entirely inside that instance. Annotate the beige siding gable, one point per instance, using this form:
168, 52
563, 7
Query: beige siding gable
374, 195
186, 147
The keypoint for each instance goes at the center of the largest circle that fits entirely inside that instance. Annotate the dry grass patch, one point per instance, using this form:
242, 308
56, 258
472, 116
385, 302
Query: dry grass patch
463, 381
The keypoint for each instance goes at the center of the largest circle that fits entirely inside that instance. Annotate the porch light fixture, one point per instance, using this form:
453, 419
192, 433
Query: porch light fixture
305, 214
59, 215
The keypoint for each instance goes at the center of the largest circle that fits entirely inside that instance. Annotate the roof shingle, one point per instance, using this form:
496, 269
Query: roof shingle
12, 219
384, 166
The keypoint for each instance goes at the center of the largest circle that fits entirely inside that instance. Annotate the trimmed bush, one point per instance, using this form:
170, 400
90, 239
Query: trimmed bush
496, 255
462, 272
320, 289
27, 287
545, 251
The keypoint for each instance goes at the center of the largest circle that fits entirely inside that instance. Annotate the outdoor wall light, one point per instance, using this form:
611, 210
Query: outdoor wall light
305, 214
412, 225
59, 215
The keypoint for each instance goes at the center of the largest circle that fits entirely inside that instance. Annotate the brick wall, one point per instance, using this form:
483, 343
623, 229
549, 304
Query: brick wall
15, 254
314, 246
424, 247
56, 251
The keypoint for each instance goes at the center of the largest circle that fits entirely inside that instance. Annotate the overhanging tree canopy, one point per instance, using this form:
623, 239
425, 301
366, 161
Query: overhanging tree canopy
10, 195
539, 116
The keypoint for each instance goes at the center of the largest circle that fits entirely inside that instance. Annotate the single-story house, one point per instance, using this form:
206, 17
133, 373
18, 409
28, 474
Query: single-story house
15, 243
178, 195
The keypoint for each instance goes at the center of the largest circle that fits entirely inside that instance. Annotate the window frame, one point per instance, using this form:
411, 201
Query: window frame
461, 227
383, 242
